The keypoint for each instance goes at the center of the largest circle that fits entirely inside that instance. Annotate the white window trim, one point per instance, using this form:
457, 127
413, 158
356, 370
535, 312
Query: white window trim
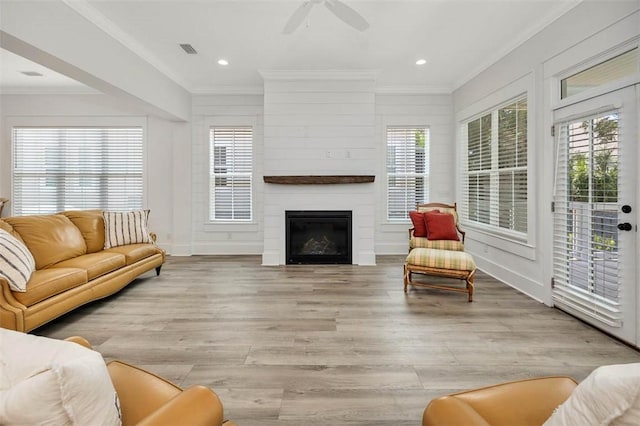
221, 225
489, 235
387, 225
556, 80
80, 121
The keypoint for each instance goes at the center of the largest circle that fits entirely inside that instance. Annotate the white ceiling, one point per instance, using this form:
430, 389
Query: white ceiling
458, 38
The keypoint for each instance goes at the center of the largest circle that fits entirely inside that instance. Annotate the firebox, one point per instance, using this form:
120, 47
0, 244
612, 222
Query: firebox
318, 237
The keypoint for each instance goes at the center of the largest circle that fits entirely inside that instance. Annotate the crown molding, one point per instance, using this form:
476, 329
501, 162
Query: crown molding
93, 15
319, 74
413, 90
516, 42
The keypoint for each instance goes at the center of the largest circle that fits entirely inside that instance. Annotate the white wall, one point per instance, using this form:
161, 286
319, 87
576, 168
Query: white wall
593, 26
319, 125
436, 113
225, 238
161, 139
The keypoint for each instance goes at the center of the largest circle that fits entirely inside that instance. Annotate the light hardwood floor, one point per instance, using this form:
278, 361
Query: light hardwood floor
340, 345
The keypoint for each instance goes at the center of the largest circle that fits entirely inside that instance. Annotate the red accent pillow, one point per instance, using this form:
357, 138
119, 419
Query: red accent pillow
419, 224
441, 226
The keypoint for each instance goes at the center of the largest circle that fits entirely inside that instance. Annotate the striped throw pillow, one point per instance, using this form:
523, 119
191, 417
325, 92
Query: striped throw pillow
16, 262
123, 228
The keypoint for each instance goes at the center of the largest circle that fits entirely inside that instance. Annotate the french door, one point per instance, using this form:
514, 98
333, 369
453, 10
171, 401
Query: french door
595, 262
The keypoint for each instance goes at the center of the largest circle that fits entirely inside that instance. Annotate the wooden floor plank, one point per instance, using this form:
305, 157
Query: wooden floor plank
331, 344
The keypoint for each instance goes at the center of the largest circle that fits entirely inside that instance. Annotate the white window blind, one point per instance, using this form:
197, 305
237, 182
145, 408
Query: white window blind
231, 173
494, 168
56, 169
586, 271
407, 170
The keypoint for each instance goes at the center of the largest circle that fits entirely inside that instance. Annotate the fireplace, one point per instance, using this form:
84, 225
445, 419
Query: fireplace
318, 237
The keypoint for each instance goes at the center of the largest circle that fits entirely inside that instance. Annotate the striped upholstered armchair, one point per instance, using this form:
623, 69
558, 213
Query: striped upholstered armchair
450, 243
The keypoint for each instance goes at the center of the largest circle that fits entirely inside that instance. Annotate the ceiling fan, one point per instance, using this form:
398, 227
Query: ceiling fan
345, 13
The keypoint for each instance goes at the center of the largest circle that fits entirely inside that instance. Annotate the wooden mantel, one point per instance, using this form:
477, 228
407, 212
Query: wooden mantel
319, 179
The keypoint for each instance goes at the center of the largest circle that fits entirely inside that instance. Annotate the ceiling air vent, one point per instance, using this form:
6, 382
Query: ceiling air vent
188, 48
31, 73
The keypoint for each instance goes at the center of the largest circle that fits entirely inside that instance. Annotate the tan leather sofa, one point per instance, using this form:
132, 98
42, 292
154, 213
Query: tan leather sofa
72, 267
524, 403
147, 399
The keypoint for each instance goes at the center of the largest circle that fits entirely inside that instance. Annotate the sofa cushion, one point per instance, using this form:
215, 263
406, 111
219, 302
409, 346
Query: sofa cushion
45, 283
7, 227
441, 259
610, 395
416, 242
16, 262
50, 238
419, 225
441, 209
124, 228
440, 226
91, 225
96, 264
54, 382
135, 252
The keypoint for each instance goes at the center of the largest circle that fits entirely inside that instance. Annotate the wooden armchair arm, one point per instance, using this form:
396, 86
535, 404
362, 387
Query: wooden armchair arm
461, 232
411, 232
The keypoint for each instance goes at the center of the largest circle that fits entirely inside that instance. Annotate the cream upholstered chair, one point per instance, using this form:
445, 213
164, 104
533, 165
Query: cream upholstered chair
423, 242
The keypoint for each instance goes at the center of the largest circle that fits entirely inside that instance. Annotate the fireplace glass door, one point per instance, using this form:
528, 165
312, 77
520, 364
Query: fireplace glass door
318, 237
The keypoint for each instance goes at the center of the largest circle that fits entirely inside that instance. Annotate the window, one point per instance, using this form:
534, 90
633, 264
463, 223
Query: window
613, 69
231, 167
495, 168
407, 170
56, 169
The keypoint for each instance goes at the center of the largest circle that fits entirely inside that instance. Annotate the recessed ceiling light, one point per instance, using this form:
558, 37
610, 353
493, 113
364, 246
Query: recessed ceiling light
421, 61
31, 73
223, 62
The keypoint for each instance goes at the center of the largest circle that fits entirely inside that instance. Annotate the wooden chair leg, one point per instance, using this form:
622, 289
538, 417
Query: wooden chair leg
470, 287
405, 277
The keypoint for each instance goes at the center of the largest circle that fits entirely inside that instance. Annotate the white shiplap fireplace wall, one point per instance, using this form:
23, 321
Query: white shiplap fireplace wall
319, 123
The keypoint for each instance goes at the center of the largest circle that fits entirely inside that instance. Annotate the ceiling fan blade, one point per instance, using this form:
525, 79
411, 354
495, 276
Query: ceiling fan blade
298, 17
347, 14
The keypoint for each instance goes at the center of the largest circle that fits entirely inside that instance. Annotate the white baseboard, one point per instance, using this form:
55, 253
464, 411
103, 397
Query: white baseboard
271, 258
226, 248
512, 278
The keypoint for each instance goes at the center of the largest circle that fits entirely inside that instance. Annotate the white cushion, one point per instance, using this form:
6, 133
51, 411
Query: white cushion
123, 228
16, 262
610, 395
53, 382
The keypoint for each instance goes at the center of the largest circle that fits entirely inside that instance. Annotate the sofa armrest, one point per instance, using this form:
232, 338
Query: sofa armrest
523, 402
451, 411
197, 405
79, 340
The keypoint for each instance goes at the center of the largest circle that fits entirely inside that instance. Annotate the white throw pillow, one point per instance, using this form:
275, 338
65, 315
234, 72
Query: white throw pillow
53, 382
123, 228
610, 395
16, 262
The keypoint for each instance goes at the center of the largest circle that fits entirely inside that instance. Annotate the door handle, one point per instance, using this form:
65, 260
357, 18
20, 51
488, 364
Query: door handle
624, 226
